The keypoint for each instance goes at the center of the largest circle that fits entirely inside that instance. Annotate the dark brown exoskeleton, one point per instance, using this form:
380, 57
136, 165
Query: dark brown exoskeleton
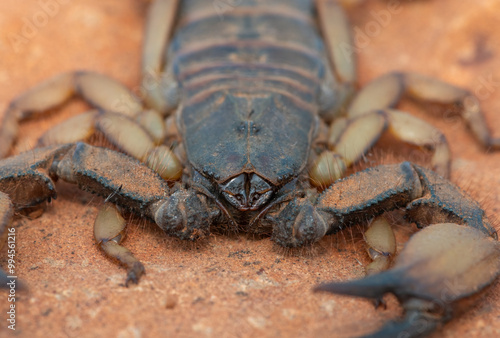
263, 93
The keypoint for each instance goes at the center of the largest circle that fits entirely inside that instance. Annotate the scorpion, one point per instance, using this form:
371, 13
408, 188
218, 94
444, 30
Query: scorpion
230, 125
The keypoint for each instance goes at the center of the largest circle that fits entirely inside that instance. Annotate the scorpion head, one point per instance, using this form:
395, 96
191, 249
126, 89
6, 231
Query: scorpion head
247, 191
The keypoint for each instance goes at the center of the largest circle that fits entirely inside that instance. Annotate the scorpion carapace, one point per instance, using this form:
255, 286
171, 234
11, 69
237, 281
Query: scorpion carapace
265, 112
267, 135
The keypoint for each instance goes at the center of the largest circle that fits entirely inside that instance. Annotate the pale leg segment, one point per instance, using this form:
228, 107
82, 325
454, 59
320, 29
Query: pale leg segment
160, 90
387, 90
120, 117
350, 138
109, 231
371, 113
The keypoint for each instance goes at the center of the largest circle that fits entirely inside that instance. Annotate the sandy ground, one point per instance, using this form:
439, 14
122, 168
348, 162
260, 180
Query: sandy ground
228, 286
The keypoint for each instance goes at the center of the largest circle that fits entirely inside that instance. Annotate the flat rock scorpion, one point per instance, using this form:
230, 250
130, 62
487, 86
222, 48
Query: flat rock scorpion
238, 110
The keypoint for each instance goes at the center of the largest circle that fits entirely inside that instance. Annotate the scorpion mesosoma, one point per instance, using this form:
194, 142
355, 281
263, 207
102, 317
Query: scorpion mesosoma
253, 105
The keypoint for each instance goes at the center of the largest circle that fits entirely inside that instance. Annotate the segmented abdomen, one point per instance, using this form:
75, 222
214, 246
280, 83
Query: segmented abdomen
256, 46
